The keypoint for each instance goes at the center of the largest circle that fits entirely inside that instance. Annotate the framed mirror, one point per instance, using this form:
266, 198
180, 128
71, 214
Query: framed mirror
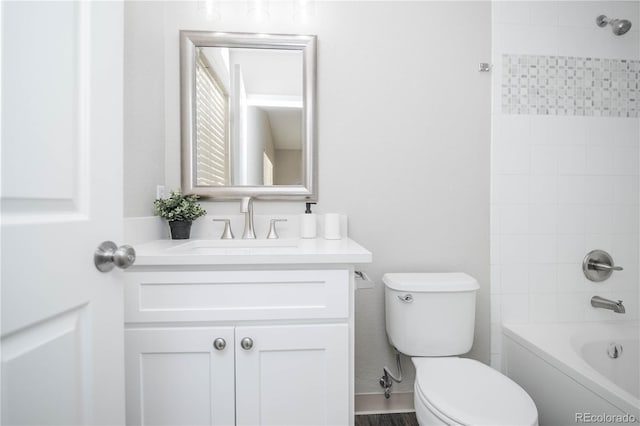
248, 125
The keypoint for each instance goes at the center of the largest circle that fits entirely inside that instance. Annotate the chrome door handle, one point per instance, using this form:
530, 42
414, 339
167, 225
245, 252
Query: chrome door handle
108, 255
246, 343
219, 344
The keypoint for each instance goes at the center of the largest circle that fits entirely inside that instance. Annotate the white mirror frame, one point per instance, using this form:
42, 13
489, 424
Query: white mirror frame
189, 42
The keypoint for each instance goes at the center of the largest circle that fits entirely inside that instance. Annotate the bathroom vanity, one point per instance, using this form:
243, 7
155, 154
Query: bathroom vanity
241, 332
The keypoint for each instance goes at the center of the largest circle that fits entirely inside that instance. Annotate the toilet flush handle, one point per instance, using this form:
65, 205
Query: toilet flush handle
407, 298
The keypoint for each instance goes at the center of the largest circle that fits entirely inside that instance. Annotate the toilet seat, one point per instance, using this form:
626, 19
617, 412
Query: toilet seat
463, 391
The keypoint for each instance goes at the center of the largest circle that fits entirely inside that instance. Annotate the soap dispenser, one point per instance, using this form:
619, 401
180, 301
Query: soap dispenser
308, 227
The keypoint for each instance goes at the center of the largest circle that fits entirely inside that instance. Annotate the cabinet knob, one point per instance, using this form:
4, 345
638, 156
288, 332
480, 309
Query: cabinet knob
246, 343
219, 343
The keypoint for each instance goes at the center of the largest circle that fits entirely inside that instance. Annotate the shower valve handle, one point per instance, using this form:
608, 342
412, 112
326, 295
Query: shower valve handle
604, 267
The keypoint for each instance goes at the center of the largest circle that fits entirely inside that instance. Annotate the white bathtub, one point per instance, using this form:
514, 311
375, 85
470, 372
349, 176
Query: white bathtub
568, 373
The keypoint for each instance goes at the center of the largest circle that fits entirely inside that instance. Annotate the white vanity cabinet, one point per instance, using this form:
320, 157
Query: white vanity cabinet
239, 346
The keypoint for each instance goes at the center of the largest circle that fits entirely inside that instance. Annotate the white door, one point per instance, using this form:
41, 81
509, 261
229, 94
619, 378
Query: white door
62, 320
180, 376
292, 375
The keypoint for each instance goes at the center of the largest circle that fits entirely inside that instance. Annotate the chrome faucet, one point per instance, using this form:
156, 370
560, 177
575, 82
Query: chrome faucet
246, 207
601, 302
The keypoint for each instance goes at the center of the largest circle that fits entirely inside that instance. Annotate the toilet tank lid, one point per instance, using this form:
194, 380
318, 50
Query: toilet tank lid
431, 282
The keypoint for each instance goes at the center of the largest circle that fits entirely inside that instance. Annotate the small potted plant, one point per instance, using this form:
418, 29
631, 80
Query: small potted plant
180, 211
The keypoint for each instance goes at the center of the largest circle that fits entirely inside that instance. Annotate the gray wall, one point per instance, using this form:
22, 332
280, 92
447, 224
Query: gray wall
144, 135
404, 137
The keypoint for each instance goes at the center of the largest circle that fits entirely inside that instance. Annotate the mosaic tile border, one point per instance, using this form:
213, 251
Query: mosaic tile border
569, 85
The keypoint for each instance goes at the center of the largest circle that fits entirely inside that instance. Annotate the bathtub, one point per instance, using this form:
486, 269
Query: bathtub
566, 369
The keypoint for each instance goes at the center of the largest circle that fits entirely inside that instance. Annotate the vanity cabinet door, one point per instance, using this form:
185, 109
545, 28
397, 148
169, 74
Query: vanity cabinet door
178, 376
292, 375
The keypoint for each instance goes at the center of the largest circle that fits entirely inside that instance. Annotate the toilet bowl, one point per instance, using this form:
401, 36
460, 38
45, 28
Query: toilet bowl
461, 391
430, 317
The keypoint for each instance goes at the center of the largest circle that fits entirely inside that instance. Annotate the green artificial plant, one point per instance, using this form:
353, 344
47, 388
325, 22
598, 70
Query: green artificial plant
179, 207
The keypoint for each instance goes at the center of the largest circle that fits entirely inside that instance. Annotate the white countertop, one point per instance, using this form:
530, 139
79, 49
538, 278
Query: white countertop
250, 252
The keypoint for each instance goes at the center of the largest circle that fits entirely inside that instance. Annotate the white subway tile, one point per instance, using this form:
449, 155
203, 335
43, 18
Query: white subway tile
571, 248
599, 241
599, 189
544, 159
515, 279
626, 190
495, 308
585, 42
496, 337
511, 189
543, 130
544, 12
543, 189
512, 159
582, 14
570, 277
599, 160
571, 189
529, 40
515, 129
543, 219
494, 220
601, 287
514, 249
569, 130
625, 47
543, 248
542, 308
494, 250
543, 278
515, 308
571, 219
572, 160
570, 307
600, 130
625, 219
625, 159
511, 12
599, 219
514, 219
496, 287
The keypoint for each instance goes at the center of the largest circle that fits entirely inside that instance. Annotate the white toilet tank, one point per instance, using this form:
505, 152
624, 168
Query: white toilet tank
430, 314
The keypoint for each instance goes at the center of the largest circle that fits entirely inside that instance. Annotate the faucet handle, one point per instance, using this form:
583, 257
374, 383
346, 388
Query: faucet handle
273, 234
227, 234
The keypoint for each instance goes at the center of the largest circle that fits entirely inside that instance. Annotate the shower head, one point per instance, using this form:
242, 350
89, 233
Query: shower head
618, 26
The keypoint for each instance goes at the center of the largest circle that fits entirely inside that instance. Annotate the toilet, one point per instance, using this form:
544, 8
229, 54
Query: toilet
430, 317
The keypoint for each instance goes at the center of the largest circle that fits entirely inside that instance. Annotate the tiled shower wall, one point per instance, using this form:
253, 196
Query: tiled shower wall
565, 160
570, 85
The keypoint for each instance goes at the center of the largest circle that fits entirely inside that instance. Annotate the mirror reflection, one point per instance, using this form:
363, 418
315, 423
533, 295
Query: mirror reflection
248, 116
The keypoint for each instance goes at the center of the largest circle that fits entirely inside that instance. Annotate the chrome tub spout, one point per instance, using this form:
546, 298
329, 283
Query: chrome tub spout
601, 302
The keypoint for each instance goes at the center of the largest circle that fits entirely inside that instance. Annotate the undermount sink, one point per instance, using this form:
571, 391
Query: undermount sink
199, 246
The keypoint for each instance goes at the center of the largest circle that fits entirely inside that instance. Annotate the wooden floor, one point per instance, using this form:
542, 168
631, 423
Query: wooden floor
397, 419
